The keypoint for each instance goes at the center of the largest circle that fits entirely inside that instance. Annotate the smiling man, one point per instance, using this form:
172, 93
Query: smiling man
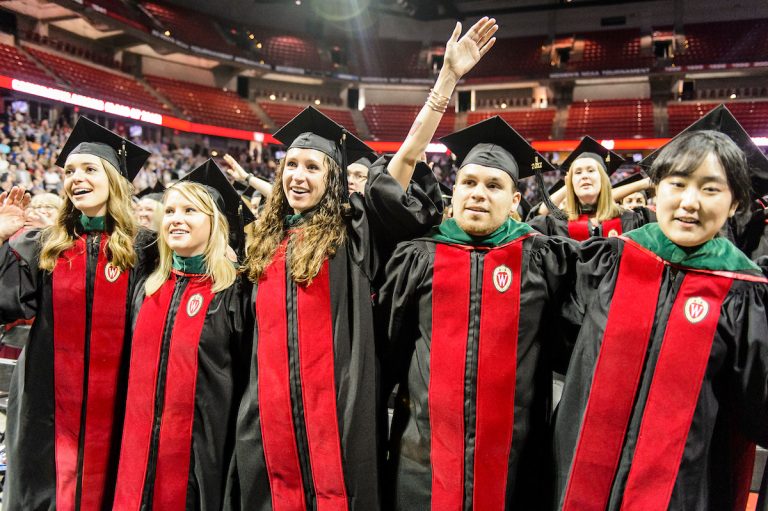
465, 311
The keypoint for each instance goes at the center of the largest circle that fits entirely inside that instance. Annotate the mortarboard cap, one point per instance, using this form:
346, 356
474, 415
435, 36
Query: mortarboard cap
153, 192
591, 148
494, 143
88, 137
225, 197
721, 119
367, 160
311, 129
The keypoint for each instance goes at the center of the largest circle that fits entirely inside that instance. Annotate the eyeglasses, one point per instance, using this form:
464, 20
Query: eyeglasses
356, 178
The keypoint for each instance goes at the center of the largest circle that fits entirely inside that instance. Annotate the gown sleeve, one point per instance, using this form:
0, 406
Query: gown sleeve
543, 224
399, 215
638, 217
19, 276
387, 215
597, 257
556, 258
397, 308
747, 320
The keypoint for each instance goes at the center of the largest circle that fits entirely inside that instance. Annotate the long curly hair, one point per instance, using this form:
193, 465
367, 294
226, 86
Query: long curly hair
320, 236
120, 222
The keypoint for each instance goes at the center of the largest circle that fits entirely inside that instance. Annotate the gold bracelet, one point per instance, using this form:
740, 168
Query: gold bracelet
437, 101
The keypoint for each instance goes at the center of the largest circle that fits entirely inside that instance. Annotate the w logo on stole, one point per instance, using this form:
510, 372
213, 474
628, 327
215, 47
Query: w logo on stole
502, 278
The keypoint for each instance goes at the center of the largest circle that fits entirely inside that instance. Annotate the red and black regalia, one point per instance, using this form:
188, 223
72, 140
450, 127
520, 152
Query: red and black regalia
468, 347
665, 393
189, 365
310, 426
67, 393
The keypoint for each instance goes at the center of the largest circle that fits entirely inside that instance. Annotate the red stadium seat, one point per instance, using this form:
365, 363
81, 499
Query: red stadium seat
15, 64
101, 84
532, 123
281, 113
392, 123
753, 115
208, 105
607, 119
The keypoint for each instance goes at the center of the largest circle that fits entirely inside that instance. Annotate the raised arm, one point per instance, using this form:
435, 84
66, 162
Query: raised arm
461, 55
619, 192
239, 174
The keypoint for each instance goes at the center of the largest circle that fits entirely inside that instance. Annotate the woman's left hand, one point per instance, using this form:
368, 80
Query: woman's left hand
461, 54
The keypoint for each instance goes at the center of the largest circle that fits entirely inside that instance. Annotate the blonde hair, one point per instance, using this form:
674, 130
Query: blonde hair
218, 267
157, 213
605, 209
46, 199
318, 239
120, 224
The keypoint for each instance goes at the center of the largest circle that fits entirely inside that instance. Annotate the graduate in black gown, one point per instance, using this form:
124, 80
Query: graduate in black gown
189, 353
665, 394
311, 425
590, 209
466, 309
76, 277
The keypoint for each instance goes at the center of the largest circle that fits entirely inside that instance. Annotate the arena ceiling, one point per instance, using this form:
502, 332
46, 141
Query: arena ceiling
426, 10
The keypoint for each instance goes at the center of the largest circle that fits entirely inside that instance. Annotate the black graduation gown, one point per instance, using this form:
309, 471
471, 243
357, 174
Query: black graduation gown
749, 232
629, 219
188, 369
67, 392
665, 391
310, 426
472, 357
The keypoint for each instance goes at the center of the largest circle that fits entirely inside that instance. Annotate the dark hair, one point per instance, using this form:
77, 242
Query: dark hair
684, 155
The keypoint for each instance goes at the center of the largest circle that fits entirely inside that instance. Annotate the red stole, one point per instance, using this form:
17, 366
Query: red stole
174, 445
674, 391
579, 229
496, 373
108, 314
318, 388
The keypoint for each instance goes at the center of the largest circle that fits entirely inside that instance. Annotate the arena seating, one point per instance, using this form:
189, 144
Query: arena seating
95, 82
532, 123
15, 64
96, 57
390, 57
521, 57
751, 114
283, 49
208, 105
724, 42
281, 113
393, 122
190, 27
617, 118
611, 49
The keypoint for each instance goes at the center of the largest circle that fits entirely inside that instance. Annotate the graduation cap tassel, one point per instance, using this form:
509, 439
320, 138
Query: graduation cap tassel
344, 182
123, 159
553, 210
240, 234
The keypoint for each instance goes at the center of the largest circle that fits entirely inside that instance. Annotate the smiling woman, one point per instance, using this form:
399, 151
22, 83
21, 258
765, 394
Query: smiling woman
75, 278
665, 390
188, 366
